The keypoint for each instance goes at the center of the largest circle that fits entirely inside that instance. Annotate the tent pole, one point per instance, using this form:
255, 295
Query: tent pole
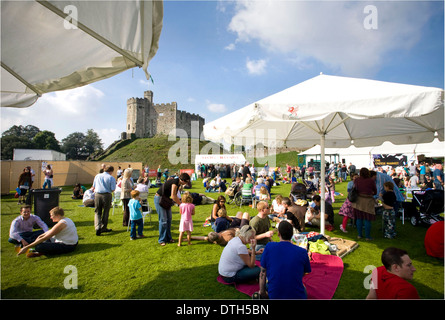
323, 183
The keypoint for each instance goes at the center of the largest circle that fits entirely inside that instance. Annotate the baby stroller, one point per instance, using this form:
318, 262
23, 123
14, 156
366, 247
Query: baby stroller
431, 207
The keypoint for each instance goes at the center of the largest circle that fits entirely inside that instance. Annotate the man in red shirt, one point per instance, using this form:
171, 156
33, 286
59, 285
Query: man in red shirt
390, 280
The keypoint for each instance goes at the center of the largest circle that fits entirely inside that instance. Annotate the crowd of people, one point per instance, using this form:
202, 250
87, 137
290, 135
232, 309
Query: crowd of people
264, 260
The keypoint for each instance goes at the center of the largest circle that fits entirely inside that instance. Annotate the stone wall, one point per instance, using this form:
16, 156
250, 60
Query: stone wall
145, 119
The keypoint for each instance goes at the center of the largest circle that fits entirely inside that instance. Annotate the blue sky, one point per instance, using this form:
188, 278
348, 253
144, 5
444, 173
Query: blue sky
215, 57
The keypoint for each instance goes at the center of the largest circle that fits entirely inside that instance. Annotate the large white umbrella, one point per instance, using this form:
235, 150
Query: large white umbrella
56, 45
334, 112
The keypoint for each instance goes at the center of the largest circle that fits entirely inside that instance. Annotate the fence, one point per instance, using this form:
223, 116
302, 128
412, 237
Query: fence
65, 172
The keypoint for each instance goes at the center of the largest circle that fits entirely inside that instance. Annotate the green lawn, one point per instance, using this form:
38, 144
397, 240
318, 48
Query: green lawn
113, 267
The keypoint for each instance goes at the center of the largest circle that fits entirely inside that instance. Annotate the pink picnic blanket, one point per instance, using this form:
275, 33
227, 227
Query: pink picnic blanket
321, 283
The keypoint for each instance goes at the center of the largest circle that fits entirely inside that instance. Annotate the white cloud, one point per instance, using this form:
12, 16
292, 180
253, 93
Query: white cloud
330, 32
63, 112
216, 107
108, 136
230, 47
256, 67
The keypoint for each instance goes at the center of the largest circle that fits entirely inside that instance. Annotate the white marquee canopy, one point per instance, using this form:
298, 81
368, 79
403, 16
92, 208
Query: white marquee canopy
57, 45
335, 111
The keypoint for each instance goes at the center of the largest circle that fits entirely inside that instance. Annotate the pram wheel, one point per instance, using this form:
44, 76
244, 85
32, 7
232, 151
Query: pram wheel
414, 220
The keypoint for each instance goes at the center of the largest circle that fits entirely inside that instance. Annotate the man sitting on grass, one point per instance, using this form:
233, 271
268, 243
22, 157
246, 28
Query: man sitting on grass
21, 232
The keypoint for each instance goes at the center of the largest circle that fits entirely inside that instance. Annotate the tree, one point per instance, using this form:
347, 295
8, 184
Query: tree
17, 137
93, 142
9, 143
79, 146
28, 131
46, 140
74, 146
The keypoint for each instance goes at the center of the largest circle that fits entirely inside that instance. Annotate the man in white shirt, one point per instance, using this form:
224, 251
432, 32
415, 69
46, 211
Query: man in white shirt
22, 228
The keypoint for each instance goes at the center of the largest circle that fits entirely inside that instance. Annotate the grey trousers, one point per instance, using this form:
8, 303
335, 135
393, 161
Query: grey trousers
102, 205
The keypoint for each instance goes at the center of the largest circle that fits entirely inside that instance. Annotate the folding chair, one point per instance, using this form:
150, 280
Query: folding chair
145, 205
116, 202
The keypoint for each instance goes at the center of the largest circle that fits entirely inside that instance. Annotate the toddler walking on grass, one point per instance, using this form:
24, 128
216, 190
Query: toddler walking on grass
135, 216
186, 209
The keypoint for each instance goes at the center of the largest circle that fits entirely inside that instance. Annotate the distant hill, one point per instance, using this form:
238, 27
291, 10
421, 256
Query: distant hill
159, 151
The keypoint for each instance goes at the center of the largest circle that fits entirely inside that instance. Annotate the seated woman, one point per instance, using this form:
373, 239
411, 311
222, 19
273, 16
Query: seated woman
77, 192
142, 185
278, 210
63, 236
237, 264
219, 204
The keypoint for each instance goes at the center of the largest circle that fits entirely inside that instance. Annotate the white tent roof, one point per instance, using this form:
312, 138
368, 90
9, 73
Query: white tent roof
432, 149
334, 111
42, 52
341, 109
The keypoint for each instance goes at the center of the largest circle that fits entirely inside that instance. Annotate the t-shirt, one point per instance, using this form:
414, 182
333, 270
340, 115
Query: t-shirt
389, 198
221, 224
391, 286
135, 209
285, 265
168, 187
230, 262
260, 225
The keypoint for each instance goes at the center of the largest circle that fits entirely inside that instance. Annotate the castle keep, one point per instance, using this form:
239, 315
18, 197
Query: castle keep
145, 119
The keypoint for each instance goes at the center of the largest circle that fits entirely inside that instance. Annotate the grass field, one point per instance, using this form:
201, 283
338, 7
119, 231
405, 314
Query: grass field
113, 267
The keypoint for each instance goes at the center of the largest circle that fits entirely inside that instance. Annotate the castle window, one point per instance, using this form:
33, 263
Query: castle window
128, 127
161, 114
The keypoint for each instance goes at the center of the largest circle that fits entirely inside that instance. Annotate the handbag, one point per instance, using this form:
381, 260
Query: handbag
165, 202
353, 194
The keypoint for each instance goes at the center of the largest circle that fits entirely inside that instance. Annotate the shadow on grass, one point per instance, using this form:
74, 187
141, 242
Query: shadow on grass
34, 292
187, 283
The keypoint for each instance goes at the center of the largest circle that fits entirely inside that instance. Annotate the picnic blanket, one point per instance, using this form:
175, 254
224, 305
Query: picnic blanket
321, 283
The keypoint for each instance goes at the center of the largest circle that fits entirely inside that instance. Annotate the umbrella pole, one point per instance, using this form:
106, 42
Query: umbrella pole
323, 183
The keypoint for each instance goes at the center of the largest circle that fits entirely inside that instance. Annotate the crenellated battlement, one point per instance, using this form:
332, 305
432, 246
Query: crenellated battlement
145, 119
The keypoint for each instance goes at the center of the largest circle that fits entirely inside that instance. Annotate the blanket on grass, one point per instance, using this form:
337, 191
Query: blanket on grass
321, 283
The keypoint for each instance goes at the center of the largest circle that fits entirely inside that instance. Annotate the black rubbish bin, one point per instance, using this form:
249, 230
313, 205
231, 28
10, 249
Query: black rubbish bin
44, 201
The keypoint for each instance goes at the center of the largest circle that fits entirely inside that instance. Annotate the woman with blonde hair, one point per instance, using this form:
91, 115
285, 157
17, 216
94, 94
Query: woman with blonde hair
237, 264
127, 186
63, 236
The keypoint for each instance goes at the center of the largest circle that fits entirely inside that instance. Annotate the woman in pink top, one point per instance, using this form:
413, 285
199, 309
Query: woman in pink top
186, 209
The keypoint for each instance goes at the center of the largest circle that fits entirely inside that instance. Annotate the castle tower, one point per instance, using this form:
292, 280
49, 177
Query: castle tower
145, 119
139, 116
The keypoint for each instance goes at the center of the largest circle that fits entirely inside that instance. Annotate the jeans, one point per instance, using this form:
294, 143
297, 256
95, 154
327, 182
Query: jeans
165, 222
47, 182
52, 248
140, 225
367, 228
246, 274
28, 236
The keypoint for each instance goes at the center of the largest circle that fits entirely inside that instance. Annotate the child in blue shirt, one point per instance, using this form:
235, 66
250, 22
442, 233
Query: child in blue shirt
135, 216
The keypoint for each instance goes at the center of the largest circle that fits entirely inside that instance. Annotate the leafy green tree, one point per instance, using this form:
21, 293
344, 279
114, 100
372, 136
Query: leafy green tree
92, 142
17, 137
74, 146
28, 131
9, 143
46, 140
